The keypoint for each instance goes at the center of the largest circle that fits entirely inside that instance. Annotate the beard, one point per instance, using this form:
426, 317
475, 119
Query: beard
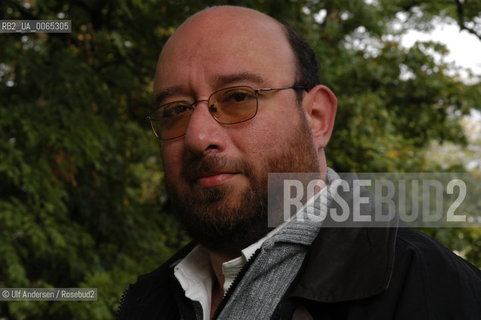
227, 224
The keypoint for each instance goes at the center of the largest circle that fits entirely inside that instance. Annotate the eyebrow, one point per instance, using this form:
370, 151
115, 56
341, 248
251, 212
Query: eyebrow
219, 81
165, 93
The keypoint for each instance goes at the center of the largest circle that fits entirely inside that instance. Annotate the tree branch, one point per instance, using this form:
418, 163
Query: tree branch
461, 22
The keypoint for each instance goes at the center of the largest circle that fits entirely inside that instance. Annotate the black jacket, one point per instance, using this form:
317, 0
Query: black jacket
349, 273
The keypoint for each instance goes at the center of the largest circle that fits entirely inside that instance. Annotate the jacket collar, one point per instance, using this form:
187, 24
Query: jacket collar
347, 263
343, 263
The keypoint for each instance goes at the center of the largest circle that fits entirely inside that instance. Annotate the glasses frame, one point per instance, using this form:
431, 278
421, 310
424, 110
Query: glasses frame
257, 92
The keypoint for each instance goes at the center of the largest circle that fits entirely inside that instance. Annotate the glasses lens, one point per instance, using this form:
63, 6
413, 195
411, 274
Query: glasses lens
233, 105
171, 120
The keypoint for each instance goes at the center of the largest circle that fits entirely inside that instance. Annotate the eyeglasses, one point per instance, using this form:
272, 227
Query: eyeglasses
227, 106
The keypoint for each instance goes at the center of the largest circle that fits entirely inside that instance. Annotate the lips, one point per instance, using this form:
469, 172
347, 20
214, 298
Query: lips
213, 170
215, 179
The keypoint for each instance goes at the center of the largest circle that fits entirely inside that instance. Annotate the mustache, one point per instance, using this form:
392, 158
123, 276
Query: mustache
209, 165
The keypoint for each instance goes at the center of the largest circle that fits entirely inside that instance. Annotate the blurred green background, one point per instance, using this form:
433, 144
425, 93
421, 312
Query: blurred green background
81, 197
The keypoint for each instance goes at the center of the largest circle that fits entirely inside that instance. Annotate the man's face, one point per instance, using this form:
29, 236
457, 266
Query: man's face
216, 175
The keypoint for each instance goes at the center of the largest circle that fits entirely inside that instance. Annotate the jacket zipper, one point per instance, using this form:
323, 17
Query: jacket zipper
234, 284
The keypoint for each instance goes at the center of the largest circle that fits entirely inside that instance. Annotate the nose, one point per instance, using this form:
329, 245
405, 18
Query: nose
204, 134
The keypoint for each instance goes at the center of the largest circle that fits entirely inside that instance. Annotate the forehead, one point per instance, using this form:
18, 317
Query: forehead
225, 44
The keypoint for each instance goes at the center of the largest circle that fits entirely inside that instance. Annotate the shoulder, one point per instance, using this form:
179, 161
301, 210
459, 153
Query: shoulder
425, 252
152, 292
162, 274
429, 275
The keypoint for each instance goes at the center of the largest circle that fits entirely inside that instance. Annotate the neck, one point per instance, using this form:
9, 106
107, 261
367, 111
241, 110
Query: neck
216, 261
322, 163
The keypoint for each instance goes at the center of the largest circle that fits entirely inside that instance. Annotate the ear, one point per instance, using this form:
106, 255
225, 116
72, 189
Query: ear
320, 106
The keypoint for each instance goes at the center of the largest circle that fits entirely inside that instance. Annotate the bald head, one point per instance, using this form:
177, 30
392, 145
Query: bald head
232, 17
224, 41
210, 24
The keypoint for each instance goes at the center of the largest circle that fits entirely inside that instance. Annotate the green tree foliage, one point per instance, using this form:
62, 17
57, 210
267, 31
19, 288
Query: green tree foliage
79, 172
81, 195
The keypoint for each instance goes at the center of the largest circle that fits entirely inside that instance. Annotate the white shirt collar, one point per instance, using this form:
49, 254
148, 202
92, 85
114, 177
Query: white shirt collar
195, 273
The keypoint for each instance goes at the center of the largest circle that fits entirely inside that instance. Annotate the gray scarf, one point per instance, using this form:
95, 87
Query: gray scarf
266, 281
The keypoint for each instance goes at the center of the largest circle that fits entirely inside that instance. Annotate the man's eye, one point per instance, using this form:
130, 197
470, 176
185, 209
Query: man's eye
175, 110
237, 97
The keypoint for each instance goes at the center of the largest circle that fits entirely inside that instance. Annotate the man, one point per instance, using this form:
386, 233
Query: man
238, 97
